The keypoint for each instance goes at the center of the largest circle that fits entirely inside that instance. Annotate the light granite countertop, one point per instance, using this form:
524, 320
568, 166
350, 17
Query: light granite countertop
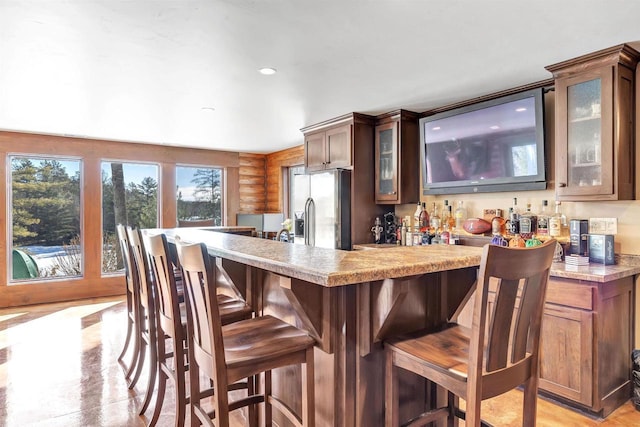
329, 267
594, 272
626, 265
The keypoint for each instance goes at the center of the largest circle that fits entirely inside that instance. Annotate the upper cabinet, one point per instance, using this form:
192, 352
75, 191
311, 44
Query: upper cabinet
595, 125
347, 142
397, 177
328, 149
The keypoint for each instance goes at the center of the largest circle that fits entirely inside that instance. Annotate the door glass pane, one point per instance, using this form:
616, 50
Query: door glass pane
199, 195
129, 197
386, 166
45, 218
584, 134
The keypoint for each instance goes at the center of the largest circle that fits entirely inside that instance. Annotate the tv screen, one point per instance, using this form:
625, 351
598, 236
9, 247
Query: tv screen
496, 145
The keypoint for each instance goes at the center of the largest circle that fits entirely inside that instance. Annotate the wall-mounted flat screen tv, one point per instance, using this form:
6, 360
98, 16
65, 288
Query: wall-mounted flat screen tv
495, 145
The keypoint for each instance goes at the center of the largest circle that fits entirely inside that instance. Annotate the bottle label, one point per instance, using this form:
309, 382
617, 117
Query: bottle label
525, 225
543, 226
555, 227
496, 226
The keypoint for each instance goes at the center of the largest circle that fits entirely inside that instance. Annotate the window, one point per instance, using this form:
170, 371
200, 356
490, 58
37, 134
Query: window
129, 197
45, 218
199, 195
298, 194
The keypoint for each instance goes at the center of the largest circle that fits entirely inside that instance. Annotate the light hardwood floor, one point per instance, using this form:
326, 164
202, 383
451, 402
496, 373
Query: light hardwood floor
58, 369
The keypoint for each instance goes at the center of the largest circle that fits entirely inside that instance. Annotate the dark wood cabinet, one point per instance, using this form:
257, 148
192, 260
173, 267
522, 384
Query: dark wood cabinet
329, 149
347, 142
397, 179
586, 343
567, 352
595, 125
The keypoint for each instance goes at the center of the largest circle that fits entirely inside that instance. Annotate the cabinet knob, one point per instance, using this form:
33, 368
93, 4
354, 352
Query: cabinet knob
562, 184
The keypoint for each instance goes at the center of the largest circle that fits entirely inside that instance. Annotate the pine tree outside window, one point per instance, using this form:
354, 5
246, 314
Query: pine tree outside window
129, 197
199, 194
45, 217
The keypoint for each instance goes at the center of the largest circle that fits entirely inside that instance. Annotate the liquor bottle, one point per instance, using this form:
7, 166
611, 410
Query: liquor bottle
514, 218
461, 215
508, 223
498, 224
424, 219
543, 221
416, 217
408, 238
403, 234
558, 227
517, 242
444, 220
434, 220
528, 223
451, 220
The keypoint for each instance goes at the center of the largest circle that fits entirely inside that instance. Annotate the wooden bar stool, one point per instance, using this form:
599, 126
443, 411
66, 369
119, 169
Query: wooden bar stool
133, 340
148, 330
172, 324
240, 350
498, 353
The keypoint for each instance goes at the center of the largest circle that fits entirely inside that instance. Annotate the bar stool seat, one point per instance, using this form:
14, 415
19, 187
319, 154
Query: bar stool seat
498, 353
171, 314
133, 342
244, 349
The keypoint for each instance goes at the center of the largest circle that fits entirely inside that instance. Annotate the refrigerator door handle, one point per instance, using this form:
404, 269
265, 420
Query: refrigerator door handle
310, 222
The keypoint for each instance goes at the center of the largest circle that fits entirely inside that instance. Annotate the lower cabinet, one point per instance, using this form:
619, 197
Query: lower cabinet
586, 343
566, 365
587, 339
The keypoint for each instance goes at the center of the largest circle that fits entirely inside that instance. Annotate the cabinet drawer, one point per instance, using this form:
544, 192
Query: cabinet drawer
570, 293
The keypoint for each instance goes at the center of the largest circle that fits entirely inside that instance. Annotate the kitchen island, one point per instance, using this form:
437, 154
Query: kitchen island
349, 301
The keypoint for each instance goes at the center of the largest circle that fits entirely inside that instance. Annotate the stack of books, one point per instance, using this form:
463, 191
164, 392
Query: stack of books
575, 259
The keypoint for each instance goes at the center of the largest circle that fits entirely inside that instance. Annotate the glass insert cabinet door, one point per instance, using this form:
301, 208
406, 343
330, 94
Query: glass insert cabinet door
387, 161
587, 134
584, 143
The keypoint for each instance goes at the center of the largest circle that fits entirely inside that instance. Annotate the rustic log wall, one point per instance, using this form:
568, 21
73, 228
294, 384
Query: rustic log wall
252, 180
275, 183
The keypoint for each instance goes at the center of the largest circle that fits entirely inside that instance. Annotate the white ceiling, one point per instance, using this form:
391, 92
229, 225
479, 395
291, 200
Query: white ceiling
149, 70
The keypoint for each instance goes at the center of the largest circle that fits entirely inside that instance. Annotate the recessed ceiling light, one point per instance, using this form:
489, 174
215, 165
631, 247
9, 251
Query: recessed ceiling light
494, 127
521, 109
436, 128
208, 109
267, 71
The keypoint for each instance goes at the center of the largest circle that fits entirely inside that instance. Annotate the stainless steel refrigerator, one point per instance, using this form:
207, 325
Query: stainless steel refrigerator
327, 212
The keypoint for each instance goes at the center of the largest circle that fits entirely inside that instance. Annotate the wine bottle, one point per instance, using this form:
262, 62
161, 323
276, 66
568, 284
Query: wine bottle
460, 215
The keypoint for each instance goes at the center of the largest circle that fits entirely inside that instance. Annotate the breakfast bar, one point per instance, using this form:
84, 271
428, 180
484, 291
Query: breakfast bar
348, 301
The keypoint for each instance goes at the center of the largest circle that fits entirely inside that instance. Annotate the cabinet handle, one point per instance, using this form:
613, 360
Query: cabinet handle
562, 184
